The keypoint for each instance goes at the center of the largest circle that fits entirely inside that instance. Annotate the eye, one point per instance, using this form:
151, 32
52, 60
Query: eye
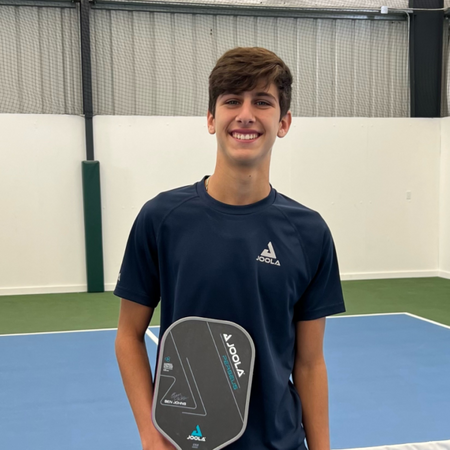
264, 103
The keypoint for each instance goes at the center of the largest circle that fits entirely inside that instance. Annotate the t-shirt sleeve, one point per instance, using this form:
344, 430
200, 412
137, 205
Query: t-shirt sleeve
138, 279
323, 296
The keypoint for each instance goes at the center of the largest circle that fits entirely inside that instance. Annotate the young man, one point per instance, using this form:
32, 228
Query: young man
232, 248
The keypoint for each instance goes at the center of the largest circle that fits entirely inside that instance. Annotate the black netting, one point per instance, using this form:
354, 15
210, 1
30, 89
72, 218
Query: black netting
348, 58
40, 60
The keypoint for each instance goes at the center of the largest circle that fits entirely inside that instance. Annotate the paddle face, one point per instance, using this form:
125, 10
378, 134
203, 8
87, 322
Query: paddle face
202, 383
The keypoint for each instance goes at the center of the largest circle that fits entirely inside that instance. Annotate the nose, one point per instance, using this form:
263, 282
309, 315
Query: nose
245, 113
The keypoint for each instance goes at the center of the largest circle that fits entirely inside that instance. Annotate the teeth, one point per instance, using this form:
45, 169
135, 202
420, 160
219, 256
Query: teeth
245, 136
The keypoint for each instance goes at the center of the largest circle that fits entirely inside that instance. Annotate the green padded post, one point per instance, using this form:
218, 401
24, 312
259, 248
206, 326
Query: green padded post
93, 225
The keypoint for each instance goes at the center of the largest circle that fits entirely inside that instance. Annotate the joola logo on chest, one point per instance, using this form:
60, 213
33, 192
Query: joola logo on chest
268, 256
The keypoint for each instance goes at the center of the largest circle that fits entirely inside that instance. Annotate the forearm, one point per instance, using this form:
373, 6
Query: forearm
136, 375
312, 385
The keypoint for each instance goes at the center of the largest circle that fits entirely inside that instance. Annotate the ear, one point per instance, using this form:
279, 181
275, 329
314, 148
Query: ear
211, 123
284, 125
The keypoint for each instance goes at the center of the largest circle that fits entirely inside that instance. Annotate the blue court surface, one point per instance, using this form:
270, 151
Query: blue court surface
389, 381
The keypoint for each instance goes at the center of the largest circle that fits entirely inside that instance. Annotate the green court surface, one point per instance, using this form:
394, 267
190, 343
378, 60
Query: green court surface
425, 297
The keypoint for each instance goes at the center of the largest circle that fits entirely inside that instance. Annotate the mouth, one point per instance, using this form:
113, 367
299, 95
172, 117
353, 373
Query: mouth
245, 139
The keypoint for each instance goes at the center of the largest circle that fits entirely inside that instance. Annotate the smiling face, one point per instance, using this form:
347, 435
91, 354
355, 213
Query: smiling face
247, 125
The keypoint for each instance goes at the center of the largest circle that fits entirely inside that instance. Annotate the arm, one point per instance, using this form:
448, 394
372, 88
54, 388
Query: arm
310, 380
135, 370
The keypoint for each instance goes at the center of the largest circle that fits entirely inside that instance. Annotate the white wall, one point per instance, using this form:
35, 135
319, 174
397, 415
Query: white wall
355, 172
140, 157
41, 207
444, 235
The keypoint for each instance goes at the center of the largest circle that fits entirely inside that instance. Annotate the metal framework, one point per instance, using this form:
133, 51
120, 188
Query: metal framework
235, 10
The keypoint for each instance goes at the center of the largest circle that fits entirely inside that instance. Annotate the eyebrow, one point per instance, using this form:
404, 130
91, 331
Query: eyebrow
258, 94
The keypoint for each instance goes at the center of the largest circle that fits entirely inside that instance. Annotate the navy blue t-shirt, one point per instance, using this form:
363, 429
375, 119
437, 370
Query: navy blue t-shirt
264, 266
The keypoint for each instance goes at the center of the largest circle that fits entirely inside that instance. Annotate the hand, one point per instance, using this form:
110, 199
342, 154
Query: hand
158, 443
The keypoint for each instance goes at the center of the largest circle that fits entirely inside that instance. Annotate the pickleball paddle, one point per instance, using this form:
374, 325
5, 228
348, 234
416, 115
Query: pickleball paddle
202, 383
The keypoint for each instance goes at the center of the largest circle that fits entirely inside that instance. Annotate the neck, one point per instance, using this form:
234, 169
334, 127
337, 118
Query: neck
239, 187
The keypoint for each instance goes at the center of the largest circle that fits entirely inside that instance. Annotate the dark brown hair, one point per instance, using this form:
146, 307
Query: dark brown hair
243, 69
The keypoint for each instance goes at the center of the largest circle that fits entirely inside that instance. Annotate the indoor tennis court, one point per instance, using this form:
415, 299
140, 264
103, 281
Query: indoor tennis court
388, 363
103, 106
393, 390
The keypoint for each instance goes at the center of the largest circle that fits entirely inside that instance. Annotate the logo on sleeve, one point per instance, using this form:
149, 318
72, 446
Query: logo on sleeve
268, 256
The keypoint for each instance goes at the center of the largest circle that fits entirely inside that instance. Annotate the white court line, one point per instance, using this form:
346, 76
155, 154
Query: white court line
149, 333
366, 315
428, 320
155, 339
152, 336
431, 445
58, 332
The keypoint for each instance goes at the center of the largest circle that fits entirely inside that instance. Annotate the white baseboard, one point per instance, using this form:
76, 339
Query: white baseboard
67, 289
28, 290
109, 287
444, 274
390, 275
